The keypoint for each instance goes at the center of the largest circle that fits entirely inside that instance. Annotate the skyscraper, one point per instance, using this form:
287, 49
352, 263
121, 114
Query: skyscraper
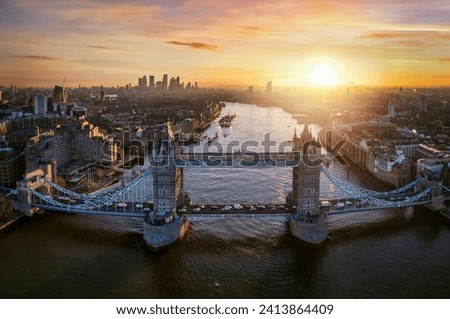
59, 94
144, 82
40, 105
391, 109
165, 82
269, 87
151, 79
423, 103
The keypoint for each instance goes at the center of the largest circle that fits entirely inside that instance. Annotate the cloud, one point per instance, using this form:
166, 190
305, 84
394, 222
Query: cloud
408, 34
447, 59
35, 57
102, 47
196, 45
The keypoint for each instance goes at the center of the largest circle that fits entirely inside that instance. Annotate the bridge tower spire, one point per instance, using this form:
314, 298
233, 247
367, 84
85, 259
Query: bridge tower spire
308, 223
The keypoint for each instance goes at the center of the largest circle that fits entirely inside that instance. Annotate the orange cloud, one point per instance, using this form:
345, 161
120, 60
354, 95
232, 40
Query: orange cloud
102, 47
408, 34
34, 57
196, 45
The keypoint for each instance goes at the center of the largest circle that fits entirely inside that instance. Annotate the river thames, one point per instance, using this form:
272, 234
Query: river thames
395, 253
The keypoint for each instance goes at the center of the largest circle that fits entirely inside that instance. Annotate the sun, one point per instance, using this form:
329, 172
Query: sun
323, 75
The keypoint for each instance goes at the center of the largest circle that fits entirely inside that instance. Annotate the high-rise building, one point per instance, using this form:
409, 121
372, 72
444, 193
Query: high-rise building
174, 84
151, 79
144, 82
12, 166
269, 87
391, 109
59, 94
102, 93
165, 82
423, 103
40, 105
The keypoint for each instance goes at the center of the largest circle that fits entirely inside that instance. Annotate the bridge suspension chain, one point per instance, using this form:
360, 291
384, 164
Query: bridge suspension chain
365, 196
48, 203
118, 192
67, 192
369, 192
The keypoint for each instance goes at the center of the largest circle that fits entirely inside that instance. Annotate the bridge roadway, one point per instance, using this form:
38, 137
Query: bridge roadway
249, 159
200, 211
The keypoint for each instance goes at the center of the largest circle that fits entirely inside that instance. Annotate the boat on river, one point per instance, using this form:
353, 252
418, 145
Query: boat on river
226, 120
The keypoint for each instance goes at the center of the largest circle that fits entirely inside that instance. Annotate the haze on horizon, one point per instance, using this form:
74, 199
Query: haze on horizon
222, 43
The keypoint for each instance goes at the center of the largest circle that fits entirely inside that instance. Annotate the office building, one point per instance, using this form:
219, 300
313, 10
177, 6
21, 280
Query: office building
12, 167
79, 141
269, 87
40, 105
151, 80
59, 94
165, 82
144, 82
391, 109
423, 107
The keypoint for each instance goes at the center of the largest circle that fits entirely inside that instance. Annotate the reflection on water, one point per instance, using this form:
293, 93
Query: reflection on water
397, 253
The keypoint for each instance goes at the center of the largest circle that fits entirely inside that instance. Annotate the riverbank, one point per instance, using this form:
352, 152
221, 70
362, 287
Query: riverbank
14, 218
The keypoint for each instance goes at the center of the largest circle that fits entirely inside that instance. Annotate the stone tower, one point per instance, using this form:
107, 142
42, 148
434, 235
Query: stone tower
163, 226
308, 223
167, 178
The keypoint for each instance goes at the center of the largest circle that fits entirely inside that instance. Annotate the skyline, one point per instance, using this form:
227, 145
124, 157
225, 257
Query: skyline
226, 43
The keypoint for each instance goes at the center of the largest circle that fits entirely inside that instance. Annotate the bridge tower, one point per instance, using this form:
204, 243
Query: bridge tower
308, 223
163, 227
36, 179
168, 180
434, 173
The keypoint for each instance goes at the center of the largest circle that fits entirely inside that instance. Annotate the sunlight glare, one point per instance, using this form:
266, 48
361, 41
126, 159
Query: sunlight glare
323, 75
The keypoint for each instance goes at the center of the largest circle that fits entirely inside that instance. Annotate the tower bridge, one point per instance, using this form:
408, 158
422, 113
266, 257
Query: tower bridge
167, 217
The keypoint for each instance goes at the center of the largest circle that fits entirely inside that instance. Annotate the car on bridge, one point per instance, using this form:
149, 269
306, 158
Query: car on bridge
340, 205
325, 203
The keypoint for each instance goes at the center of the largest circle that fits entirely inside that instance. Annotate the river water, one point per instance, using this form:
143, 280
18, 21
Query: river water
396, 253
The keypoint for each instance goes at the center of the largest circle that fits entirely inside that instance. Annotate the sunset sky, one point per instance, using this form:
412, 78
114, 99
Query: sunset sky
222, 43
